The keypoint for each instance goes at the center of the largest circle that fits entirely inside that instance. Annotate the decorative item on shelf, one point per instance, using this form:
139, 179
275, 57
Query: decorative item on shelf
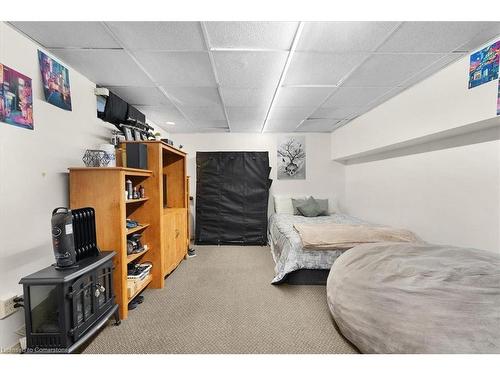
142, 193
109, 149
115, 137
168, 141
130, 192
136, 194
95, 158
158, 136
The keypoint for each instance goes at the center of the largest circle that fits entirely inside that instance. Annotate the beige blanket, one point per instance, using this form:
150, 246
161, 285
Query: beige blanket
331, 236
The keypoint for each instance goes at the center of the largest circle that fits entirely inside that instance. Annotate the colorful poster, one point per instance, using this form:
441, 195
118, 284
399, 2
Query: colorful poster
484, 65
16, 98
498, 99
55, 80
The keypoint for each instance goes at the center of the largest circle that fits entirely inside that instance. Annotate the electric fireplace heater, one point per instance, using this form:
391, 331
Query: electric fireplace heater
65, 307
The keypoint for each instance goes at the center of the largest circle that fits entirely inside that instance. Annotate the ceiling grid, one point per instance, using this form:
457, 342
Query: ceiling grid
257, 76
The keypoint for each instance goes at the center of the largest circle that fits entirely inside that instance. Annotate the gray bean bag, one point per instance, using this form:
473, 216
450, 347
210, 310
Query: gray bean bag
417, 298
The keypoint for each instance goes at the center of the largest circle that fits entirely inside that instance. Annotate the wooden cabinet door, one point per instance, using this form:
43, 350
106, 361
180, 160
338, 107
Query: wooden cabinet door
181, 232
170, 243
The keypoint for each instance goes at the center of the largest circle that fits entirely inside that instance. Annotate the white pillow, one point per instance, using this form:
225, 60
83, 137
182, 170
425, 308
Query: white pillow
283, 203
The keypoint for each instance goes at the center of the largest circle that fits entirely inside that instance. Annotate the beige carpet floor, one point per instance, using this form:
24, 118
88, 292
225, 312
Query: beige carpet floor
222, 301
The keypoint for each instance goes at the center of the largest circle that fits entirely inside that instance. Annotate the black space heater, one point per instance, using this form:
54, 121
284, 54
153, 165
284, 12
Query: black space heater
66, 303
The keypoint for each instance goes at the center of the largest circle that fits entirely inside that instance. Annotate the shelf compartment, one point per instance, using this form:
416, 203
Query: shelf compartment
137, 229
128, 171
136, 200
133, 257
140, 288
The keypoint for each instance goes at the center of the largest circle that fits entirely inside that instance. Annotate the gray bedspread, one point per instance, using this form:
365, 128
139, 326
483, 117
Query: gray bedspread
286, 244
417, 298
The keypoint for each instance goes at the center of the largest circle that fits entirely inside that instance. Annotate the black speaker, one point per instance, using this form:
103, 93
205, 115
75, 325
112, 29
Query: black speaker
137, 155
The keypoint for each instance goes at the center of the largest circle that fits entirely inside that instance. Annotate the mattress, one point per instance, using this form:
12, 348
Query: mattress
417, 298
286, 244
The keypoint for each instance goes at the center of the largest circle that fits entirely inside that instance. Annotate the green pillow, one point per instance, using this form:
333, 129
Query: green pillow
323, 204
295, 203
310, 208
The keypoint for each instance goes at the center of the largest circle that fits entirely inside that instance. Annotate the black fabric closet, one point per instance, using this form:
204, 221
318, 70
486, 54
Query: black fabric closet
232, 192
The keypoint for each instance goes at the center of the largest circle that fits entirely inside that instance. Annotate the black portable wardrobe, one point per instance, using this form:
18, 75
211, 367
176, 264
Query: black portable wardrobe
232, 192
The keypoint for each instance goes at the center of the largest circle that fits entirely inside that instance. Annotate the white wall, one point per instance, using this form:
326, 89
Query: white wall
448, 196
441, 102
447, 191
324, 177
33, 169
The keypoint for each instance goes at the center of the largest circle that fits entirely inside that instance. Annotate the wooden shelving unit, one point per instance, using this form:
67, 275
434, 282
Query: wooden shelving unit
104, 190
137, 229
144, 283
130, 201
167, 190
132, 257
163, 214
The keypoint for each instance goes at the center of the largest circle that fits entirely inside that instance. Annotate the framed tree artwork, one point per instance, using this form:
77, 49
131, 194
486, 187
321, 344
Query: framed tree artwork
291, 158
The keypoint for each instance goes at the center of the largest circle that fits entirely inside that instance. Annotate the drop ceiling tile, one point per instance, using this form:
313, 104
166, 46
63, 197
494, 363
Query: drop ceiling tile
290, 113
335, 113
204, 113
249, 69
246, 130
246, 114
68, 34
194, 96
390, 70
432, 36
258, 35
312, 68
208, 130
163, 114
166, 36
105, 67
344, 36
302, 96
434, 68
354, 96
210, 123
151, 96
490, 31
178, 69
247, 97
321, 126
246, 126
281, 126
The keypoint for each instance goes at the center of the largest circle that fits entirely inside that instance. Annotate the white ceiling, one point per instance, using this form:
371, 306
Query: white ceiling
254, 76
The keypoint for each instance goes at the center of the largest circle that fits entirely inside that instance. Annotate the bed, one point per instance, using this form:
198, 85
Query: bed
417, 298
293, 264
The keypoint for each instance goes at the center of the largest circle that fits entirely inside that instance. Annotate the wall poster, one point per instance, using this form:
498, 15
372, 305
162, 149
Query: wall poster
16, 98
484, 65
55, 80
291, 158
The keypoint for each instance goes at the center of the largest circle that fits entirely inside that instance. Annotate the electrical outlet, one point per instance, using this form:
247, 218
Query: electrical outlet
7, 307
